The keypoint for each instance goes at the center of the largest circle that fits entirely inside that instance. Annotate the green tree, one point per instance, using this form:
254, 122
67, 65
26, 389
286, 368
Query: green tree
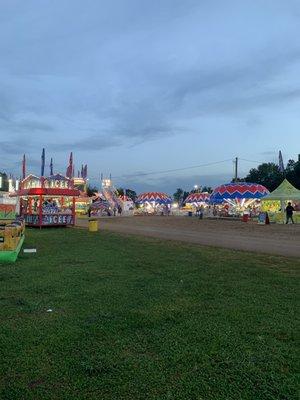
129, 192
180, 195
91, 191
207, 189
267, 174
4, 180
292, 173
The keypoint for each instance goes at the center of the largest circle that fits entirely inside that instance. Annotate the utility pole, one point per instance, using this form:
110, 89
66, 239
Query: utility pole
236, 163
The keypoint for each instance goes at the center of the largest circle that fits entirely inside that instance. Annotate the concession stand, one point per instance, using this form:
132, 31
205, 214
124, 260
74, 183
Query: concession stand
47, 201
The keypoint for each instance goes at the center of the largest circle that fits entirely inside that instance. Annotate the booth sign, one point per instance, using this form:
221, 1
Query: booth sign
58, 219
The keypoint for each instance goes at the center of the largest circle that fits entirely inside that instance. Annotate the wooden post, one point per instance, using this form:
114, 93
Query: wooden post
73, 210
30, 205
236, 163
41, 211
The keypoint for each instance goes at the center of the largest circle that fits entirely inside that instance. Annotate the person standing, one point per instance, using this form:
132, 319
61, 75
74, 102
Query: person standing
289, 213
201, 212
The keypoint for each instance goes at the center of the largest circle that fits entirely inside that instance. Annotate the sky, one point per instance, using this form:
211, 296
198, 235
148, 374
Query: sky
135, 87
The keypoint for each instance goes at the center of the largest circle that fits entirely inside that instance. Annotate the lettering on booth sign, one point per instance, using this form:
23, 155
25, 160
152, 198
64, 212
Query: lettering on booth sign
59, 219
32, 219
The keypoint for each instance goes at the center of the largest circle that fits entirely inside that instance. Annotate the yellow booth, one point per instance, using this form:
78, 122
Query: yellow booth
275, 203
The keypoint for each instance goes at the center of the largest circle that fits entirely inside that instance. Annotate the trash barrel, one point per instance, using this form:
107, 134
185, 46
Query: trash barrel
245, 217
93, 225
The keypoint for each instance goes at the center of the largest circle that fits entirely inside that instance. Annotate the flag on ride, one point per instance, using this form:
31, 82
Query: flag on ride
51, 167
281, 165
43, 163
69, 172
85, 172
24, 167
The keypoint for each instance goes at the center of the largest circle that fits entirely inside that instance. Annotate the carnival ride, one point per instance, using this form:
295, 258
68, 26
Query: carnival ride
110, 194
154, 202
106, 202
238, 197
109, 203
195, 200
100, 207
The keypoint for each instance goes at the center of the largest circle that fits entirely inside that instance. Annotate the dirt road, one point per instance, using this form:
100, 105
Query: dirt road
272, 239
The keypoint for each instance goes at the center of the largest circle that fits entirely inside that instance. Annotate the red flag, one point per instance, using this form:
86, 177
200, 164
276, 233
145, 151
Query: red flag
24, 167
43, 163
69, 172
51, 167
85, 171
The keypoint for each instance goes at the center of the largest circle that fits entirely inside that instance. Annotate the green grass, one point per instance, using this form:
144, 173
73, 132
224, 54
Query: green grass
138, 318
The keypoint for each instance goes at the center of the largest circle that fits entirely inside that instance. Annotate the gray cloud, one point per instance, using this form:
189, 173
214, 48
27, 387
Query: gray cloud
170, 183
103, 77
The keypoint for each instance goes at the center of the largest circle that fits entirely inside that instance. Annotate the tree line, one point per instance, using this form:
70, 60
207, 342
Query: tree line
267, 174
270, 175
4, 182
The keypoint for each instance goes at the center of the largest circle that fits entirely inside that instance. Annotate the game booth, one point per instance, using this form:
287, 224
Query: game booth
154, 203
82, 202
12, 231
237, 199
47, 201
276, 202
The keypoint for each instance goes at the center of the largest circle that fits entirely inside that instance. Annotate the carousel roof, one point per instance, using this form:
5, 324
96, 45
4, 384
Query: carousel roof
156, 197
197, 197
238, 190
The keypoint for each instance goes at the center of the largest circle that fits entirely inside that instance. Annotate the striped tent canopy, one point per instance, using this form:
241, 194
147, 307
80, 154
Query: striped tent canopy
197, 198
237, 192
100, 204
154, 197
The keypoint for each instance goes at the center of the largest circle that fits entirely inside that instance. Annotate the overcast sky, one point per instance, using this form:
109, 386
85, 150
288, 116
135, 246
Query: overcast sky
133, 86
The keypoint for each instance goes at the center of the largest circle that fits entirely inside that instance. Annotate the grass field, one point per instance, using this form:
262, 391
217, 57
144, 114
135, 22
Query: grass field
136, 318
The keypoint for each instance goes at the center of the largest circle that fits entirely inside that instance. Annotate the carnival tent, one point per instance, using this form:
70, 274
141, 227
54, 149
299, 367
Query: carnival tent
157, 198
238, 192
197, 198
285, 191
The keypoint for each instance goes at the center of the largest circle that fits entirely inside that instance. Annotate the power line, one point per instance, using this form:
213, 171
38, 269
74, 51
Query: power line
251, 161
171, 170
129, 176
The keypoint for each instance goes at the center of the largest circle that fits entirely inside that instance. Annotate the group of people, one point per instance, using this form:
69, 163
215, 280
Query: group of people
117, 210
289, 211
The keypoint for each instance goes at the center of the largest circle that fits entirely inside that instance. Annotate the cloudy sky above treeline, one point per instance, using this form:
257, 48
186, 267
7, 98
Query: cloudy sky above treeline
138, 86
